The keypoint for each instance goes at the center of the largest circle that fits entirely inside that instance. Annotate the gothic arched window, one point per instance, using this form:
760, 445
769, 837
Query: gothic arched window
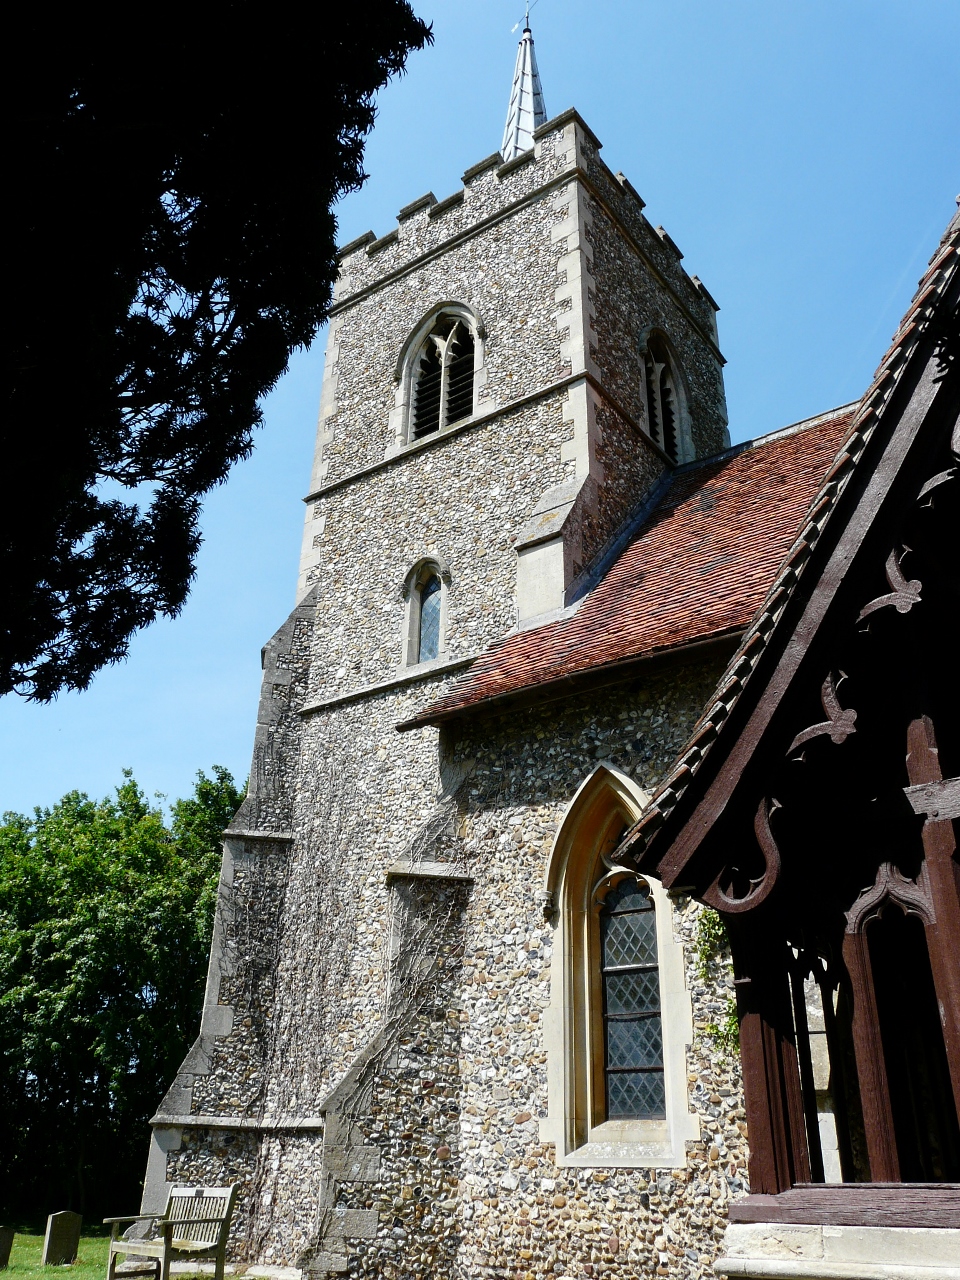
443, 377
424, 591
664, 398
620, 1012
428, 645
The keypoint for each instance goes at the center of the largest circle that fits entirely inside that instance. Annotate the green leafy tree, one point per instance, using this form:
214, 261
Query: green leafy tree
171, 172
105, 922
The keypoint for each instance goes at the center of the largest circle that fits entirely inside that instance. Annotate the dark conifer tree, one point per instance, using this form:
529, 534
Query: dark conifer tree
171, 170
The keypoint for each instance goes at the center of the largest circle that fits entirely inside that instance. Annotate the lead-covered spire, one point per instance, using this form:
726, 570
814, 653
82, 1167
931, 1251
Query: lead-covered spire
526, 99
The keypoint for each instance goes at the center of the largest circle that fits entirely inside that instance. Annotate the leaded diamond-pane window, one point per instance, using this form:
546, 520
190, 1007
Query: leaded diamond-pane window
632, 1026
429, 619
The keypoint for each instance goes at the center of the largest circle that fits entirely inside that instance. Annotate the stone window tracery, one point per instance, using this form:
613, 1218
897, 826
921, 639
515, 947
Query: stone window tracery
439, 373
443, 379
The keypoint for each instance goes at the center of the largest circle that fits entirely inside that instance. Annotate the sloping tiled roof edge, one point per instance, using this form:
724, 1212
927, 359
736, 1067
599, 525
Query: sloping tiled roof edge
576, 681
548, 685
618, 543
923, 308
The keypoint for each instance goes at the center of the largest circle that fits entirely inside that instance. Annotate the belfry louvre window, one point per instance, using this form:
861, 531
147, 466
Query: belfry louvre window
443, 381
632, 1025
662, 401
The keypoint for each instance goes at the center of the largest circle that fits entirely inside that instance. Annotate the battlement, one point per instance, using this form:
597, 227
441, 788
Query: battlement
565, 150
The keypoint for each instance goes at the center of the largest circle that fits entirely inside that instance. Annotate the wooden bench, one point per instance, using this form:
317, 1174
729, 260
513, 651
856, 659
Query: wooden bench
196, 1220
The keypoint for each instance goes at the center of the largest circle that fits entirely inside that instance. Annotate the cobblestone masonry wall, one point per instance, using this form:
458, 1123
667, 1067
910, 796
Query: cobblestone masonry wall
450, 1102
252, 920
504, 251
507, 274
629, 468
466, 497
463, 501
650, 288
629, 302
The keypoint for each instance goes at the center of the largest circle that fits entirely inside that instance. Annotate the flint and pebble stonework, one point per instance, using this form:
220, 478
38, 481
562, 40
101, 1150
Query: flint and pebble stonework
374, 1066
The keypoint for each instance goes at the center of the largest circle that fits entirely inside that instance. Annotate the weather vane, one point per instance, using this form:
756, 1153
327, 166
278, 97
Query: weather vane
526, 17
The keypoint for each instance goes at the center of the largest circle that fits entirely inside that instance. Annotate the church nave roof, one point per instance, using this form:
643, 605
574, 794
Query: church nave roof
697, 569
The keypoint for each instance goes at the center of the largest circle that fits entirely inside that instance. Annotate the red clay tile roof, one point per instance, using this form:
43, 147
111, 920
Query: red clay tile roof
698, 568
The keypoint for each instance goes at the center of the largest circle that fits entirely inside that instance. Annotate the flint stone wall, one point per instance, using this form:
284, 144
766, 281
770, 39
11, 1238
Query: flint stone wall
463, 501
506, 251
447, 980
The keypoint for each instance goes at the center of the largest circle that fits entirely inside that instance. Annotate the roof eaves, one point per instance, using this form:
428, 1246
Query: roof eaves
564, 686
449, 707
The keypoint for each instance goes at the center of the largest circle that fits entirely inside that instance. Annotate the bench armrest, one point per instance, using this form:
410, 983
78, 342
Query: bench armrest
131, 1217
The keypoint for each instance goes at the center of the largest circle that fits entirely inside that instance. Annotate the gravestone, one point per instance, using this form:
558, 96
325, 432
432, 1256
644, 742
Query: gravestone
62, 1240
6, 1243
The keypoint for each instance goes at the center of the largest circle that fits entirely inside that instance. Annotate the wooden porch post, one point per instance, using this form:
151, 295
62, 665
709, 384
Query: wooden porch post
943, 872
771, 1076
871, 1068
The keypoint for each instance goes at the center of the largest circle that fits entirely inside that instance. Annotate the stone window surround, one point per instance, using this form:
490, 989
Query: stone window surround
571, 1035
401, 416
426, 566
685, 450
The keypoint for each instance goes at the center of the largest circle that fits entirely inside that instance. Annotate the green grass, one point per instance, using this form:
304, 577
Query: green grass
28, 1248
90, 1265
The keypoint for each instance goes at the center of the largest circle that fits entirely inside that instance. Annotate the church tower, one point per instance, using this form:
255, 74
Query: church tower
594, 365
510, 372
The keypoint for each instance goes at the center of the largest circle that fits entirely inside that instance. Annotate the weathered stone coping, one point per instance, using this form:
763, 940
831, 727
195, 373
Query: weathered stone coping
267, 1125
819, 1252
422, 202
569, 115
788, 1269
384, 242
459, 237
449, 202
492, 161
575, 172
423, 671
483, 419
427, 871
508, 166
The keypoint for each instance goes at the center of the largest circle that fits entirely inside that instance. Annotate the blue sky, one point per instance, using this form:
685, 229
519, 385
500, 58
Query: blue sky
804, 155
